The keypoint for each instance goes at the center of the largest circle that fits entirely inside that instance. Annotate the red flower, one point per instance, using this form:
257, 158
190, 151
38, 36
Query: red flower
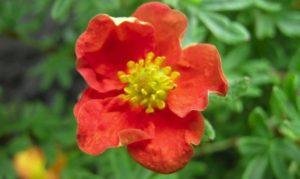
144, 90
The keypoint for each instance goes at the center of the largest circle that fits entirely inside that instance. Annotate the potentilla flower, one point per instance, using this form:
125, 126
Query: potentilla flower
144, 91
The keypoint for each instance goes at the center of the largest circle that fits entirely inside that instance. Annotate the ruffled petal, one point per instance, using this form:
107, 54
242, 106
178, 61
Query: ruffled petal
110, 122
200, 73
169, 25
89, 94
107, 45
170, 149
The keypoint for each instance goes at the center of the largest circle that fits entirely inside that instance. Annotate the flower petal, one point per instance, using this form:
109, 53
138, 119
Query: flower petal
201, 73
102, 124
170, 149
106, 46
89, 94
169, 25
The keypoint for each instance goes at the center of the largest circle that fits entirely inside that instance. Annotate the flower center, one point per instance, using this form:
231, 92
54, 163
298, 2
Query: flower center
147, 82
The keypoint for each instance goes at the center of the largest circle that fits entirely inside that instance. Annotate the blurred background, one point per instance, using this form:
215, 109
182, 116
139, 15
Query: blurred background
252, 133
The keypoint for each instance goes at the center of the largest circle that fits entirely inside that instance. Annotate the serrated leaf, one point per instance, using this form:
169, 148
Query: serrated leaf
223, 28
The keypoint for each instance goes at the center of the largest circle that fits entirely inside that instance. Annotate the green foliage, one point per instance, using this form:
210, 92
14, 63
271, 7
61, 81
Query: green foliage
278, 134
224, 29
61, 9
57, 66
209, 134
253, 132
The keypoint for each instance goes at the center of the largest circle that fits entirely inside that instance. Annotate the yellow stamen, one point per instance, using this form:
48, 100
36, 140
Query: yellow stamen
147, 82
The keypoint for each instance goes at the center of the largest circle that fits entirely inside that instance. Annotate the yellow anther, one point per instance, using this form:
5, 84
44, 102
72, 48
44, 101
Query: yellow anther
144, 101
144, 92
153, 97
120, 73
141, 62
123, 76
147, 82
159, 60
174, 75
161, 93
150, 56
167, 70
149, 109
160, 104
130, 64
127, 90
134, 99
135, 86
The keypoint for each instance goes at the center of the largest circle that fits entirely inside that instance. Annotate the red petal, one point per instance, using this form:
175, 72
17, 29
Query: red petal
201, 73
103, 123
89, 94
106, 46
170, 149
169, 28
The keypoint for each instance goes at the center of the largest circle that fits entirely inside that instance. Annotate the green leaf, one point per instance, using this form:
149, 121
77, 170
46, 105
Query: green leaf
209, 133
291, 86
258, 122
291, 129
256, 168
294, 65
278, 165
57, 66
264, 25
223, 5
282, 106
193, 2
195, 33
141, 172
194, 169
238, 87
18, 144
224, 29
267, 5
235, 57
173, 3
289, 23
61, 9
288, 149
253, 145
6, 170
170, 176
